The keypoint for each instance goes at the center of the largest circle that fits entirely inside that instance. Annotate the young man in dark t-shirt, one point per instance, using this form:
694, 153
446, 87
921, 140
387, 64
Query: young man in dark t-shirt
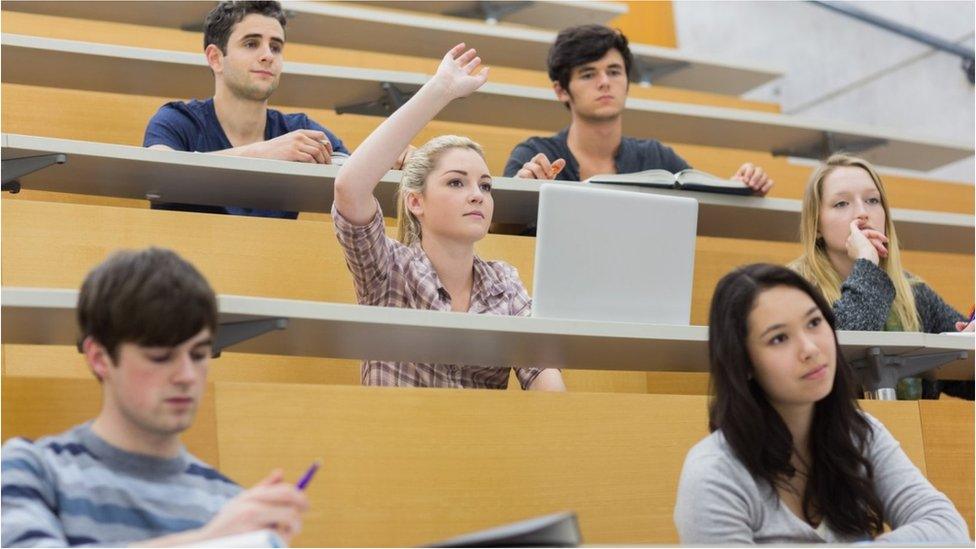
588, 66
243, 44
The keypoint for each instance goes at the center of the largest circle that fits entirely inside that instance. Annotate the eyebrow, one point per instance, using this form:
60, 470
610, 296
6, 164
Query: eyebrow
778, 326
204, 343
462, 172
259, 35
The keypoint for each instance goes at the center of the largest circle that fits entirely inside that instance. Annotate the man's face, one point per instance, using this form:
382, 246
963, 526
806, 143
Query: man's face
155, 391
251, 69
597, 90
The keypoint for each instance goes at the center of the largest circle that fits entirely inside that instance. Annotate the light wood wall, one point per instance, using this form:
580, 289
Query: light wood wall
409, 466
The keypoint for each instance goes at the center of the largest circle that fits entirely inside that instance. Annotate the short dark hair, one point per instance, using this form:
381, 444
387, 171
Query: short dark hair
576, 46
220, 22
840, 484
150, 297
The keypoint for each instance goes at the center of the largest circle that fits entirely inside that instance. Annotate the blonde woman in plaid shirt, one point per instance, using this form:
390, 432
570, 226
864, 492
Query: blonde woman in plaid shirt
444, 208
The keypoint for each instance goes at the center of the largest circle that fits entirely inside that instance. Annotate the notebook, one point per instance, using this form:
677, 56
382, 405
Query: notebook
613, 255
557, 530
689, 180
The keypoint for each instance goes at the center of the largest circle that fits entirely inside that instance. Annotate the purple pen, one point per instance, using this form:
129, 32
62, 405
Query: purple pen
307, 477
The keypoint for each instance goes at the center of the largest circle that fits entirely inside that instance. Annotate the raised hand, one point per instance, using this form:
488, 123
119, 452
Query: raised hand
866, 244
456, 73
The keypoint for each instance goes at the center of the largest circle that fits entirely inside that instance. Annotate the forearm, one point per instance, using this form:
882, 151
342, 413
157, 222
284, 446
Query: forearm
371, 160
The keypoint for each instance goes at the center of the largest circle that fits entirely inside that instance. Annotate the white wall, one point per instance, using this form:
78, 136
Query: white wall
842, 69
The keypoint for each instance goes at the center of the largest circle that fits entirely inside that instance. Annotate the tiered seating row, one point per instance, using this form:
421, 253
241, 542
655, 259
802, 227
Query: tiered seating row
499, 457
134, 172
355, 27
120, 69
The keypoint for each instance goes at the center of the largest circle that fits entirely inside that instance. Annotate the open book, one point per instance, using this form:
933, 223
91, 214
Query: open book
689, 180
558, 530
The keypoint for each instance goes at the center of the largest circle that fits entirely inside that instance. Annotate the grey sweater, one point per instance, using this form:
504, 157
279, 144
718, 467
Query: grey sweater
76, 489
719, 502
866, 297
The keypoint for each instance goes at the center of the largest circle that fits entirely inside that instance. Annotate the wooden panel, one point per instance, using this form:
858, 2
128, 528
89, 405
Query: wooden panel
947, 429
171, 39
648, 23
903, 420
678, 383
121, 119
54, 245
65, 361
34, 407
464, 460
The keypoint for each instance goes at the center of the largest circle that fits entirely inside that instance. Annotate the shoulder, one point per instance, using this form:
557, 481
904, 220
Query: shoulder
42, 456
199, 469
712, 455
184, 110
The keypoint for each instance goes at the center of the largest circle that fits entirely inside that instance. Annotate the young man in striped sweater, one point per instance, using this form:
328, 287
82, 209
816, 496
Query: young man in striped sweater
147, 320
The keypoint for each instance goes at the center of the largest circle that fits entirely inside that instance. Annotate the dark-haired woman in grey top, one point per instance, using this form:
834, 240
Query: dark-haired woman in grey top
791, 457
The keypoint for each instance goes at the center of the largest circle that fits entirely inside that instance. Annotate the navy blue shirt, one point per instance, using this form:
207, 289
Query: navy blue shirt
634, 155
193, 127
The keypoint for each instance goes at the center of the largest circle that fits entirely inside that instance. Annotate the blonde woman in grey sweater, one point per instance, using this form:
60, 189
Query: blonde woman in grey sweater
791, 457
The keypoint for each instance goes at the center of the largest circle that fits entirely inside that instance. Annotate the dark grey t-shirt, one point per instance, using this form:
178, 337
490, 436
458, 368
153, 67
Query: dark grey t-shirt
634, 155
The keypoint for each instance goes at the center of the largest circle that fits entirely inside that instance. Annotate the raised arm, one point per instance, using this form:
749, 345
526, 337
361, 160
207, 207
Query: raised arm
363, 170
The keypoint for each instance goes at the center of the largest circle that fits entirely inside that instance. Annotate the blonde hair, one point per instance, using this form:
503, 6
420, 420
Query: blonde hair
415, 173
815, 266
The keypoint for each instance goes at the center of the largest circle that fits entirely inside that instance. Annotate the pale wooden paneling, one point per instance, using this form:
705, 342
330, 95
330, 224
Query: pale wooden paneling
34, 407
947, 430
463, 460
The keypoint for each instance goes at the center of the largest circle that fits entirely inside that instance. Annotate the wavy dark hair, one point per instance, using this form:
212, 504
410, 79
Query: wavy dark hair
840, 485
220, 22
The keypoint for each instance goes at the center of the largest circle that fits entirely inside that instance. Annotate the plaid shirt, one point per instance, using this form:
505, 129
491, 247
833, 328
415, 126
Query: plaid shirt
387, 273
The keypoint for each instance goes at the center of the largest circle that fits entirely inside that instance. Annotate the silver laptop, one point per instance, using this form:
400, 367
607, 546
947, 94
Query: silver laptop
614, 255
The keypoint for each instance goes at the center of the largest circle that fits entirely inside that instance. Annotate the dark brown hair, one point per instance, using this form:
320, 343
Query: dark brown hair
219, 24
840, 484
151, 297
583, 44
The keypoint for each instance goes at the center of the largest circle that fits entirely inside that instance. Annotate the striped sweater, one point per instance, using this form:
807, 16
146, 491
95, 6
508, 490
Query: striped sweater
76, 489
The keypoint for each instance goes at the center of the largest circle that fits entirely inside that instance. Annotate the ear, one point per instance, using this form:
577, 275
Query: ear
215, 58
97, 357
415, 203
561, 93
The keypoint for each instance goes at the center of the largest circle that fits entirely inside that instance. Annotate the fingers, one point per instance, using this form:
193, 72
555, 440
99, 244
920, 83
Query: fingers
274, 477
745, 173
536, 168
965, 326
473, 64
766, 187
557, 167
871, 233
466, 57
455, 51
314, 135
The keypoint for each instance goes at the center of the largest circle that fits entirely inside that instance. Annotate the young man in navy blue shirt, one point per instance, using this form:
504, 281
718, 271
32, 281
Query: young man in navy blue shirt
588, 66
243, 44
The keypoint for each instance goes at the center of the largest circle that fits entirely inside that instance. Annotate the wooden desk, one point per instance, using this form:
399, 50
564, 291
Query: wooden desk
355, 26
133, 172
121, 69
332, 330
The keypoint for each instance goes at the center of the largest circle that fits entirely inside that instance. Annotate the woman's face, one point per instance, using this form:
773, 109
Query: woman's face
792, 347
848, 194
456, 203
